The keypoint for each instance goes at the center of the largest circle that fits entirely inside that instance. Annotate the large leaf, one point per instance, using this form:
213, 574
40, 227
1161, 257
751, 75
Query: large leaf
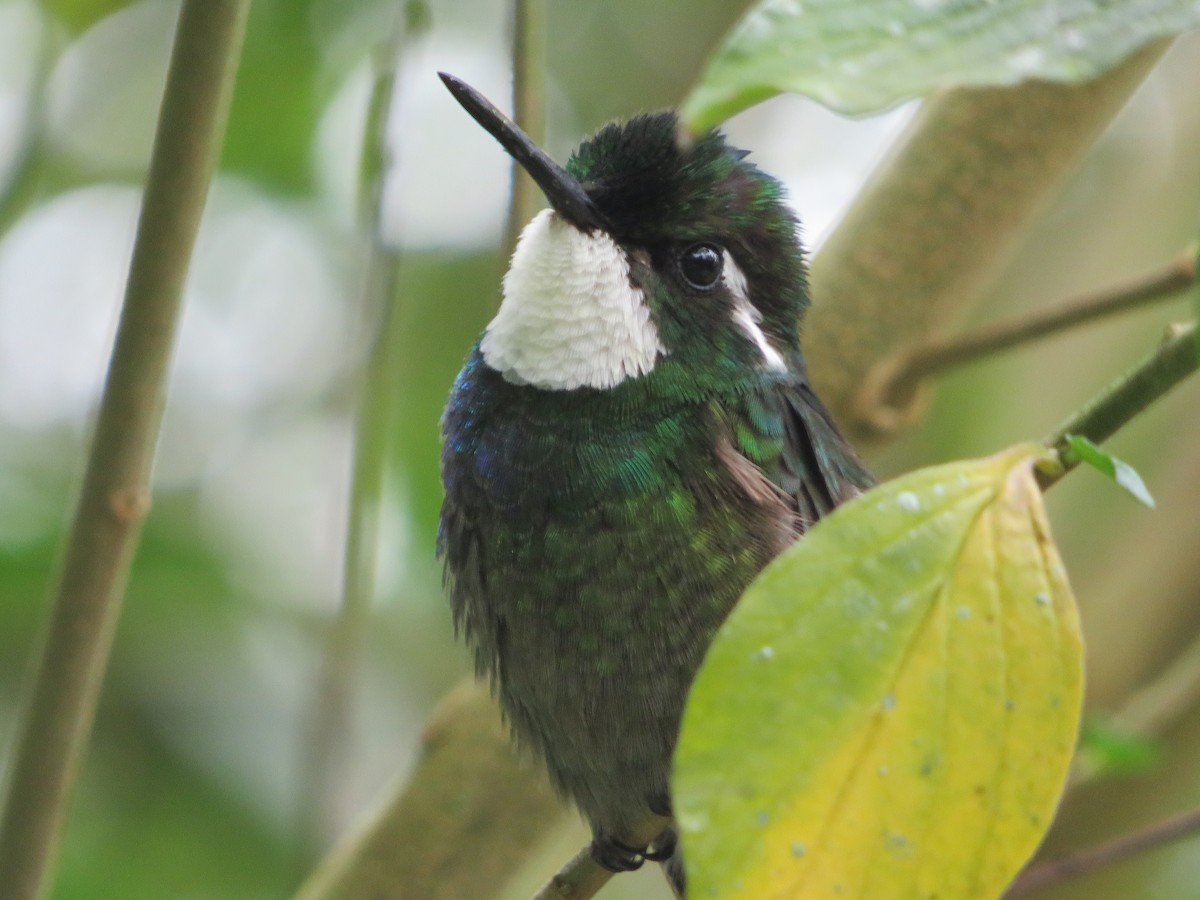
891, 710
861, 56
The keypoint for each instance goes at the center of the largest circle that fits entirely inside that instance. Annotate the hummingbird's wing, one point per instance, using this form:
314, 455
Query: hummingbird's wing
825, 468
792, 449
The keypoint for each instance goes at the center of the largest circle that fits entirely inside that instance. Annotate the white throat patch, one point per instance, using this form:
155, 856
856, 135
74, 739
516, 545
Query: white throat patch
570, 317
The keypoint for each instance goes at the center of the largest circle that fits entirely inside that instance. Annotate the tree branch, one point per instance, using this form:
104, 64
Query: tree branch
580, 878
61, 701
1053, 872
893, 382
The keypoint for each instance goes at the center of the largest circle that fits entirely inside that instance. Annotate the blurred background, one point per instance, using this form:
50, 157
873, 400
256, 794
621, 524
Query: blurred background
194, 786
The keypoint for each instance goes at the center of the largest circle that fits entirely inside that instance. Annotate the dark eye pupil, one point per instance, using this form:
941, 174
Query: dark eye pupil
701, 265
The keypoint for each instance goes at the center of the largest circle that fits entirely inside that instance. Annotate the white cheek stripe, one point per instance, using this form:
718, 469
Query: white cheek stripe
747, 316
570, 317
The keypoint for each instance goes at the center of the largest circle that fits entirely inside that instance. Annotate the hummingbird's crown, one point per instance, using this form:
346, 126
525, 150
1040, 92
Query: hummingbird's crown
636, 171
648, 185
651, 188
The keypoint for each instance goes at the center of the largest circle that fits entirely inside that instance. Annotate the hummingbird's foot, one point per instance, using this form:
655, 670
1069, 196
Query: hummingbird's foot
617, 856
663, 848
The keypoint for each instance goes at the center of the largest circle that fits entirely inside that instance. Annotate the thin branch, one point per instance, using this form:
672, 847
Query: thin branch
325, 747
529, 107
1173, 360
582, 877
895, 380
1053, 872
61, 701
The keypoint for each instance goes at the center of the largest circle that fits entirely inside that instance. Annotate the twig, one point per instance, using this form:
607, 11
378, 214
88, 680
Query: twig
1157, 835
898, 377
326, 737
582, 876
61, 701
529, 107
1170, 363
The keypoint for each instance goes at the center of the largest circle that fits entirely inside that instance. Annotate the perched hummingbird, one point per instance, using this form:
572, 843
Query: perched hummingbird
632, 439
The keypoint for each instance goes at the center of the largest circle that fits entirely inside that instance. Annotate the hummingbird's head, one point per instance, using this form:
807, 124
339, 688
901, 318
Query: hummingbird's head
654, 252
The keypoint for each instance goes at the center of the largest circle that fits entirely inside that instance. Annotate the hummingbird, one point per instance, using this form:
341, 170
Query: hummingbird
630, 441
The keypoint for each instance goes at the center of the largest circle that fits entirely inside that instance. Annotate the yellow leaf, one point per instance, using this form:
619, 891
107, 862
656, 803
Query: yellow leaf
892, 709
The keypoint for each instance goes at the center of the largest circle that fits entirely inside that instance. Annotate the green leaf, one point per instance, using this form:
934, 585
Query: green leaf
1102, 461
1110, 750
863, 56
891, 710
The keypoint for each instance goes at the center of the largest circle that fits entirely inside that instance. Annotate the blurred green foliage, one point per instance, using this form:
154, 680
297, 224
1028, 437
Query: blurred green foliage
1114, 751
278, 95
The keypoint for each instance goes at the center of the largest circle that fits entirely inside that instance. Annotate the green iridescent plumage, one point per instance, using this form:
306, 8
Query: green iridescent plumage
595, 539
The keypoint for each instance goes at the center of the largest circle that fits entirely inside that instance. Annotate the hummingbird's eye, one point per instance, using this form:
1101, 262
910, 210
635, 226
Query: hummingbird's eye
701, 264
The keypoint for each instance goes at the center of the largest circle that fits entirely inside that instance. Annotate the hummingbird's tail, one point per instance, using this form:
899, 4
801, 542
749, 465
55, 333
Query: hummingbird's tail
673, 864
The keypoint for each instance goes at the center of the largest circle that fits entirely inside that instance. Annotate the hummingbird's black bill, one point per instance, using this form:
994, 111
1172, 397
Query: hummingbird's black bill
564, 192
